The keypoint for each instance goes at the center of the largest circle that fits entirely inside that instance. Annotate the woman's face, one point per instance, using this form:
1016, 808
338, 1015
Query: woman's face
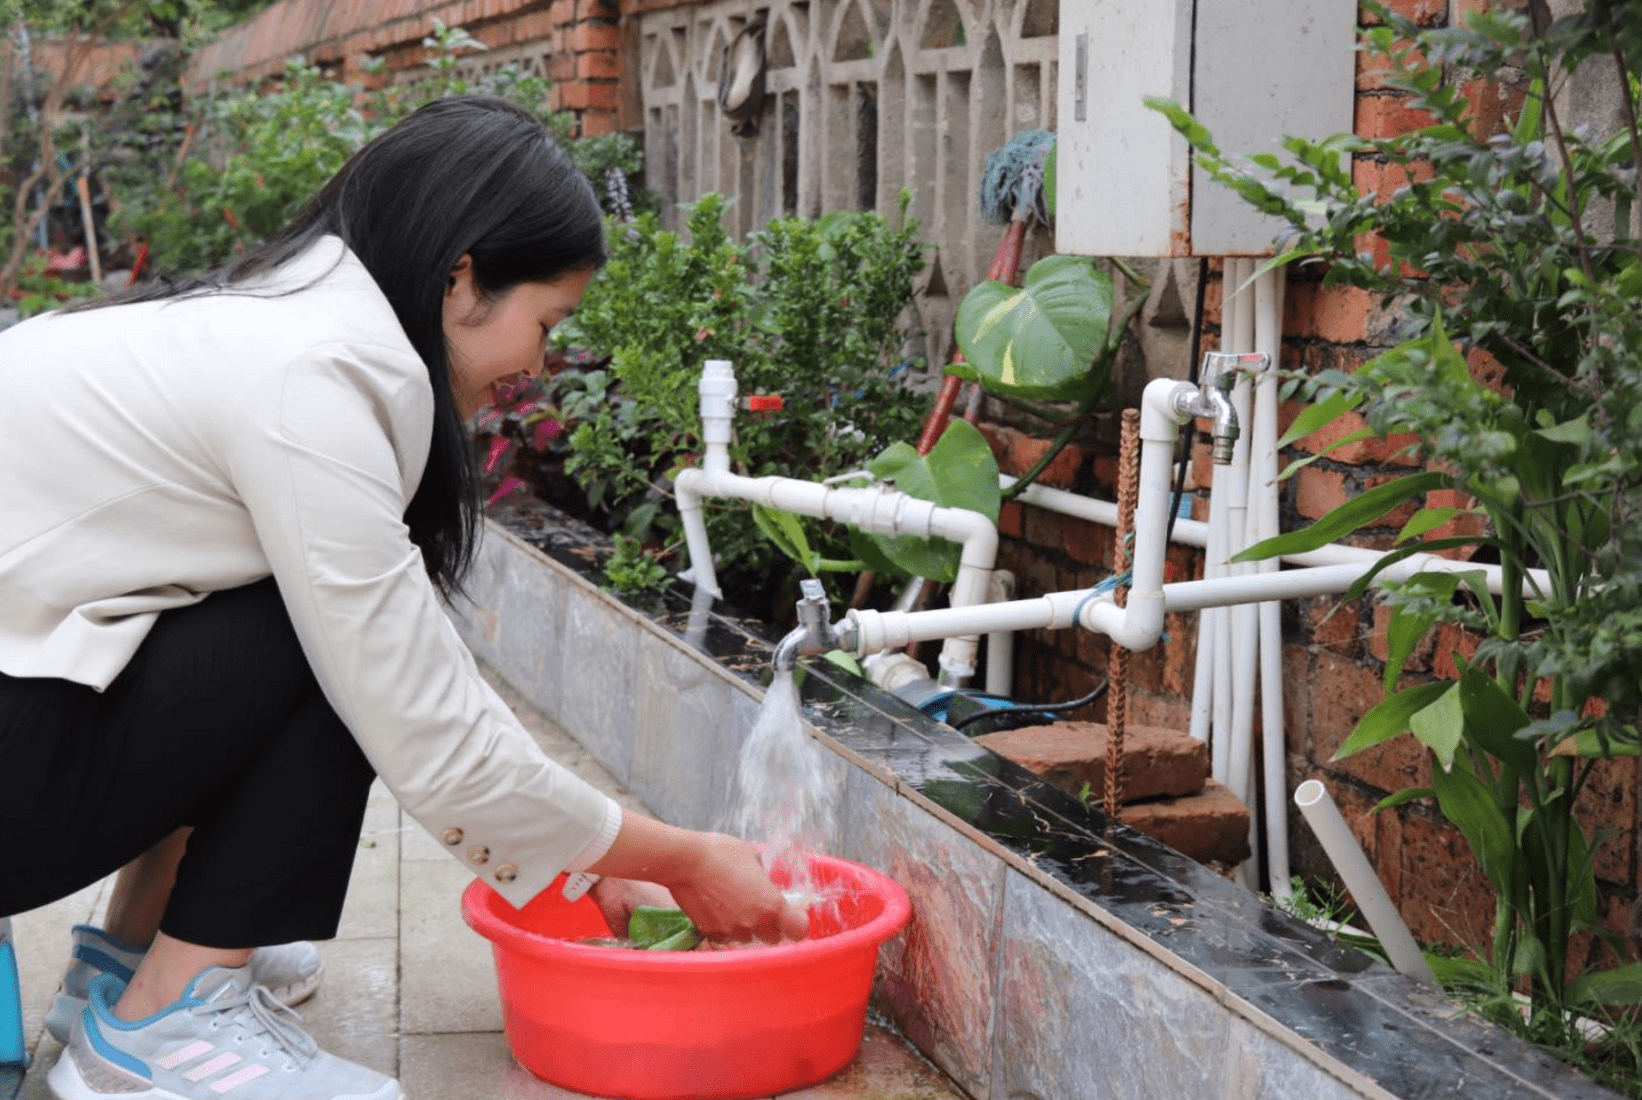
499, 343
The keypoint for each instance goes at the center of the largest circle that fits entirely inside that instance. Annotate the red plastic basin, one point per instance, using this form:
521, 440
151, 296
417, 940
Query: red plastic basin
694, 1025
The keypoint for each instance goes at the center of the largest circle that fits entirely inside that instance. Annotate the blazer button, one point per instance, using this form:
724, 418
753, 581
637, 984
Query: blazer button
479, 854
506, 873
452, 837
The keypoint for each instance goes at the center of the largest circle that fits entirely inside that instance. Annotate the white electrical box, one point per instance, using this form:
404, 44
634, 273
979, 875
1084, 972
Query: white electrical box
1251, 71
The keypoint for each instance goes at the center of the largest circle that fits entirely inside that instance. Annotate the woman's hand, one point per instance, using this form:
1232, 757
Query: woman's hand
731, 899
717, 880
618, 897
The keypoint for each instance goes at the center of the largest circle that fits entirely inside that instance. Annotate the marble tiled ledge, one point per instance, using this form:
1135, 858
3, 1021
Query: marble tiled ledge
1052, 955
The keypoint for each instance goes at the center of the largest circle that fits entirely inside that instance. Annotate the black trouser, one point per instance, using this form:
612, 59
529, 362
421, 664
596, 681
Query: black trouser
217, 723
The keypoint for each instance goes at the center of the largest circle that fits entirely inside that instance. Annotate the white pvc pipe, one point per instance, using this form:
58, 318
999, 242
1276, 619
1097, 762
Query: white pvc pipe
1194, 532
1000, 644
1245, 622
1136, 626
1263, 520
1366, 889
876, 510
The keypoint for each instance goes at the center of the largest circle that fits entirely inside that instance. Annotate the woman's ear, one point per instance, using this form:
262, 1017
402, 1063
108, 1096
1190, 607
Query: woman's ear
462, 272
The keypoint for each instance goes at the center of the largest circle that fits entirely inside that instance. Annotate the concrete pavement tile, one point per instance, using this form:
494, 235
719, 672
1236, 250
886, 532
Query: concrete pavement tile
355, 1014
447, 978
45, 1056
372, 908
417, 845
559, 746
469, 1067
885, 1067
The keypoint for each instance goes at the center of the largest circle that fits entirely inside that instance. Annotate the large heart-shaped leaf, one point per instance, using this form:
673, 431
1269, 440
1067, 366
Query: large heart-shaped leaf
958, 472
1039, 340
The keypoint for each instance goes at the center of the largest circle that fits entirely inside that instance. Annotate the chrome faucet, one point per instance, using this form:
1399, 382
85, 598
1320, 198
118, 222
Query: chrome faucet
813, 634
1212, 398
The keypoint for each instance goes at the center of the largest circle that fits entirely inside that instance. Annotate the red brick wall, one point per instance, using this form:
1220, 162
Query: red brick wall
1333, 653
581, 38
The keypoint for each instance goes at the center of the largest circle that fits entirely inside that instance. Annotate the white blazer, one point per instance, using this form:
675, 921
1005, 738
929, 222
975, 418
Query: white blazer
153, 453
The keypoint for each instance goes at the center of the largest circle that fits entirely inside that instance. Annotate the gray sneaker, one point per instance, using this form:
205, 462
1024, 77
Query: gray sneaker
291, 971
224, 1038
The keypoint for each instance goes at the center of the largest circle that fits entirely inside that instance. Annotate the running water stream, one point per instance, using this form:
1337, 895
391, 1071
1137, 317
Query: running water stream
783, 796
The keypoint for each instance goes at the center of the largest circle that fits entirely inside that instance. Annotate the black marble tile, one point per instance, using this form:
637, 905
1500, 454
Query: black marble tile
1376, 1021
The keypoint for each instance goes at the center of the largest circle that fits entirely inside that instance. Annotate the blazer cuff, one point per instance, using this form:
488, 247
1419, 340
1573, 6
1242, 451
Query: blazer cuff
601, 842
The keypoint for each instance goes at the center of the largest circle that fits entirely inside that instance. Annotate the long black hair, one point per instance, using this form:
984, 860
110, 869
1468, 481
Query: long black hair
471, 175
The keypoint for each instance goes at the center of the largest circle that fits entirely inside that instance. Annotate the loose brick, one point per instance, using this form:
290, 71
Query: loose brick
1156, 761
1147, 708
1209, 827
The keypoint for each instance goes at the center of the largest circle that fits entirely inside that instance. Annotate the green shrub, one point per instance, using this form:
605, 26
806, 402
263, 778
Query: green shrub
809, 310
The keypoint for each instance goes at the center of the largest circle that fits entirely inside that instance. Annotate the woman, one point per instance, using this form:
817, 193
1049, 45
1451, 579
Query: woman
228, 513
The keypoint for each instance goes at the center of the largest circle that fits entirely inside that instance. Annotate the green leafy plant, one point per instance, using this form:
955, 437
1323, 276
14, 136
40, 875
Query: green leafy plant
266, 155
202, 179
38, 290
1520, 245
1052, 339
632, 570
809, 310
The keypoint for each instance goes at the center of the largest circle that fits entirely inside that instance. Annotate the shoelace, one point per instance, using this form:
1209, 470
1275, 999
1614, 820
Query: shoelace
259, 1013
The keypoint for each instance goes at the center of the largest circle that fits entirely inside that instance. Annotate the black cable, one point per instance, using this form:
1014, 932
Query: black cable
1191, 376
1040, 708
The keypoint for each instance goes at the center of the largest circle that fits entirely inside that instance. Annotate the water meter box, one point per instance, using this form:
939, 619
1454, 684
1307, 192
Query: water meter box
1250, 70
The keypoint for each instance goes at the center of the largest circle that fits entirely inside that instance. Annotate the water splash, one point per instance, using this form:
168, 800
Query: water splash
783, 795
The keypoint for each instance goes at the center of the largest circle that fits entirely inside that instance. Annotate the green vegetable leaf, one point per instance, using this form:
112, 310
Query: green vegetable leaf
657, 928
